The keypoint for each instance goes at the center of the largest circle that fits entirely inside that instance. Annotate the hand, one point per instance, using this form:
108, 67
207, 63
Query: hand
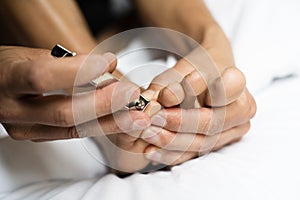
124, 151
26, 74
186, 134
179, 134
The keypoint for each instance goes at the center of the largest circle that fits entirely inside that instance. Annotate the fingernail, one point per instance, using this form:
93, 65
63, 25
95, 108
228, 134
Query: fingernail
154, 155
149, 94
149, 132
153, 108
140, 124
158, 120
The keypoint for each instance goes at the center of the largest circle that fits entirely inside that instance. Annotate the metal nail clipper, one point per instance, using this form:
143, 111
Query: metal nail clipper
139, 104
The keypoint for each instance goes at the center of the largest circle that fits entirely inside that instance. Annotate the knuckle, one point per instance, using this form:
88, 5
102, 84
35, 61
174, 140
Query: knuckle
10, 111
63, 116
194, 83
205, 126
244, 105
247, 103
236, 76
36, 78
165, 138
244, 101
103, 103
216, 126
235, 83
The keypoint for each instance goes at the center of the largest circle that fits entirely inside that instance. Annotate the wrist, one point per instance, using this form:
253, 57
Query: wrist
197, 22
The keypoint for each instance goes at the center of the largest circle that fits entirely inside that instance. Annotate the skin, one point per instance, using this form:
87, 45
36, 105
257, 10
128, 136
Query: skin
63, 18
171, 141
125, 151
29, 115
165, 141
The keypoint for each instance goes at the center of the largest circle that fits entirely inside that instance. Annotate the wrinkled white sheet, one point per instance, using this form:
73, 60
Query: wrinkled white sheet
264, 165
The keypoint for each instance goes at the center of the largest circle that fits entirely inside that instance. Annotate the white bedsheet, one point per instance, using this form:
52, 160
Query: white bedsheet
264, 165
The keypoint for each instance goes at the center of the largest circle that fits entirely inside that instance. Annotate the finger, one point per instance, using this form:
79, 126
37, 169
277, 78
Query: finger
183, 93
48, 74
122, 153
174, 157
168, 77
207, 121
67, 111
152, 108
226, 89
222, 91
194, 143
171, 95
171, 75
168, 92
121, 122
219, 78
199, 71
168, 157
194, 85
39, 133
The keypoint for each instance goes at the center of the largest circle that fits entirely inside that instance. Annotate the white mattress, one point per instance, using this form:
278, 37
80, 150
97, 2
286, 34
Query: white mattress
264, 165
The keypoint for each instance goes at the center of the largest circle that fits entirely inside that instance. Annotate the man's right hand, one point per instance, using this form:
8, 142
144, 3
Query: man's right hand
26, 74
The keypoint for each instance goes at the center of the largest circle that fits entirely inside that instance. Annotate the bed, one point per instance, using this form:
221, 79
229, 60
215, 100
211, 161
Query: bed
264, 165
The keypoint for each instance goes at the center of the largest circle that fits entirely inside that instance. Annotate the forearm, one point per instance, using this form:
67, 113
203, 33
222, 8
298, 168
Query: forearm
191, 18
46, 23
